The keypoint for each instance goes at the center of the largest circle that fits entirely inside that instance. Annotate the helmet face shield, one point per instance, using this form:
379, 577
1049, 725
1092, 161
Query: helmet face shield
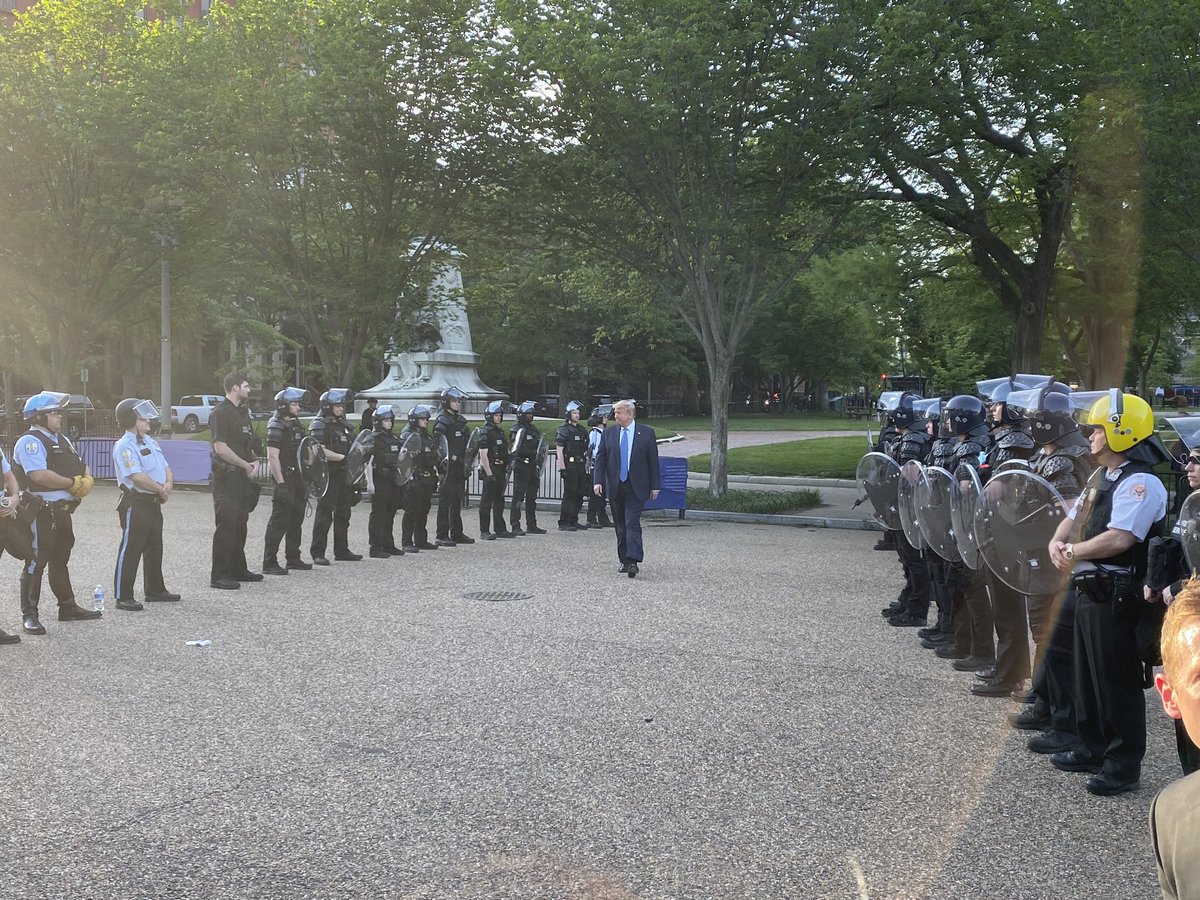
145, 409
337, 397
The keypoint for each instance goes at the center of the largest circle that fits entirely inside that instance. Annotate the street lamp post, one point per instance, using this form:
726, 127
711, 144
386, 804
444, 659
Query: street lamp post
165, 329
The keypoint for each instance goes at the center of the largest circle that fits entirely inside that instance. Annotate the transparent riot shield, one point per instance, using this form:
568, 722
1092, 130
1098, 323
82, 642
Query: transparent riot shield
1015, 520
935, 501
542, 449
912, 473
356, 457
441, 448
310, 458
1188, 530
878, 480
403, 473
965, 491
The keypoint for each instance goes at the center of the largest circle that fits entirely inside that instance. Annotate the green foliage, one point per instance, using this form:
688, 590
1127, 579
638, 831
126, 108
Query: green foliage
762, 502
817, 458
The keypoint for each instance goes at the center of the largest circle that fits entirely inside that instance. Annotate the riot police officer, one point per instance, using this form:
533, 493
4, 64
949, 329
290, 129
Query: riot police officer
528, 452
571, 446
384, 481
421, 487
912, 443
451, 428
331, 430
146, 484
492, 446
288, 496
597, 514
47, 465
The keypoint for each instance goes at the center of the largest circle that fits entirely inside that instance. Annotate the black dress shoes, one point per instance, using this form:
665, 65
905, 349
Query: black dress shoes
299, 564
1075, 761
971, 663
907, 621
380, 554
347, 557
991, 689
248, 576
33, 626
163, 597
487, 536
411, 548
395, 551
516, 532
568, 527
445, 542
1031, 718
6, 638
461, 539
73, 612
425, 545
533, 529
129, 605
226, 584
949, 651
320, 561
274, 569
506, 534
1105, 785
632, 571
1052, 742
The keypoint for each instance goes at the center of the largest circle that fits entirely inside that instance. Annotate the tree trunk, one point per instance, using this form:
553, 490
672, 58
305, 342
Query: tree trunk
720, 384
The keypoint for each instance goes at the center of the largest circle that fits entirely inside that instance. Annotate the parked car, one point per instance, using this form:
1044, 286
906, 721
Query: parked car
192, 412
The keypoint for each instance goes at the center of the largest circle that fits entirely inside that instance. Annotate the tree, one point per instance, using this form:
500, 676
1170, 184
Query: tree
337, 141
77, 254
680, 142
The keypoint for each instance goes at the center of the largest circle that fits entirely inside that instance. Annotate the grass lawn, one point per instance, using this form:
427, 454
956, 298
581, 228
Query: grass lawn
818, 458
768, 502
825, 421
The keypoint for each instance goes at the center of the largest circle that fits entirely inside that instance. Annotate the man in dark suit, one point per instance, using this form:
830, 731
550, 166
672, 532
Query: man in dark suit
1175, 812
626, 470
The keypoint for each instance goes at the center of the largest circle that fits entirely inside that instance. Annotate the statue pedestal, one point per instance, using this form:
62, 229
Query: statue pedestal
418, 377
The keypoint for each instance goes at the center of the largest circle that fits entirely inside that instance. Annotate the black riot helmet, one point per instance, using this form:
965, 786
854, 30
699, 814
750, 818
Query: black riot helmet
384, 412
966, 413
495, 408
131, 409
452, 393
342, 397
286, 397
420, 411
573, 406
526, 410
904, 415
1051, 417
1009, 414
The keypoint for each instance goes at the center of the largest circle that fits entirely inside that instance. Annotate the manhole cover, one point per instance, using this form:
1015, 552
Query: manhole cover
497, 595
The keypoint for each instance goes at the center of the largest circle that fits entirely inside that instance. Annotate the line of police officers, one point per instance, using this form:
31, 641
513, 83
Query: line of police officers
1095, 635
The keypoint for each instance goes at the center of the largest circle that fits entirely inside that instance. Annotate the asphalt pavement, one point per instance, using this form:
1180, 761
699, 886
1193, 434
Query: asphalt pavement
737, 722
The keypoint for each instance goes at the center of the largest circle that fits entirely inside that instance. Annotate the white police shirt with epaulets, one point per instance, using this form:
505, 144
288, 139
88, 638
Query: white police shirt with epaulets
32, 456
133, 455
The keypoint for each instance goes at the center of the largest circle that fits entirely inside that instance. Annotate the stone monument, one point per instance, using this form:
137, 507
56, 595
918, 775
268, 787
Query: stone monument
444, 357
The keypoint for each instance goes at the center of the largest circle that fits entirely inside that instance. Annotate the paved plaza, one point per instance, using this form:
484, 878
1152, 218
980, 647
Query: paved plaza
737, 722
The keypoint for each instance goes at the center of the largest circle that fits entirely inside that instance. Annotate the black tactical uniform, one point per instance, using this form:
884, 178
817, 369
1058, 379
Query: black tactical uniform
288, 498
235, 494
573, 439
452, 427
970, 608
384, 450
526, 471
1010, 444
334, 433
1066, 464
421, 487
941, 454
912, 445
492, 441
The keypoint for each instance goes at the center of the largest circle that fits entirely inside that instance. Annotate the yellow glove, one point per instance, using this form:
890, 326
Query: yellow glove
81, 486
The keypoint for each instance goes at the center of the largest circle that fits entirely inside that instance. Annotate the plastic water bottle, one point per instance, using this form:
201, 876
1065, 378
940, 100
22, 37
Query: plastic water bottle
98, 598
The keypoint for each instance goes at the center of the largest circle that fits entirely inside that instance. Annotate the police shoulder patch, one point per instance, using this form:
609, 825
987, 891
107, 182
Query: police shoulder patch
31, 446
1137, 491
127, 455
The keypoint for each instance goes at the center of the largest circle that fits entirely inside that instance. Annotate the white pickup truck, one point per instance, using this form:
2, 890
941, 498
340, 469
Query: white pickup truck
192, 412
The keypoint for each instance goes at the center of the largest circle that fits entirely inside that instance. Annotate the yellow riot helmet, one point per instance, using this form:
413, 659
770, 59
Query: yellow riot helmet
1126, 419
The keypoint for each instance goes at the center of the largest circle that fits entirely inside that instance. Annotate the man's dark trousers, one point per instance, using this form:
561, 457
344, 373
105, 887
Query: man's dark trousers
141, 541
287, 519
232, 510
450, 501
627, 516
333, 509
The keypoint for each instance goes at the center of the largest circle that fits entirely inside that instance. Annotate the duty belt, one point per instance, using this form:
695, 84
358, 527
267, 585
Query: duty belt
575, 459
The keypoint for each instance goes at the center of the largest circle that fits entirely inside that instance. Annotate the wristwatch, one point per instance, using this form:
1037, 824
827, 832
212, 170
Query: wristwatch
1069, 551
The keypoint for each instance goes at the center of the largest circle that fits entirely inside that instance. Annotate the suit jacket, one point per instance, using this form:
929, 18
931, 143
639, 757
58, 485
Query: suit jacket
1174, 829
643, 461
